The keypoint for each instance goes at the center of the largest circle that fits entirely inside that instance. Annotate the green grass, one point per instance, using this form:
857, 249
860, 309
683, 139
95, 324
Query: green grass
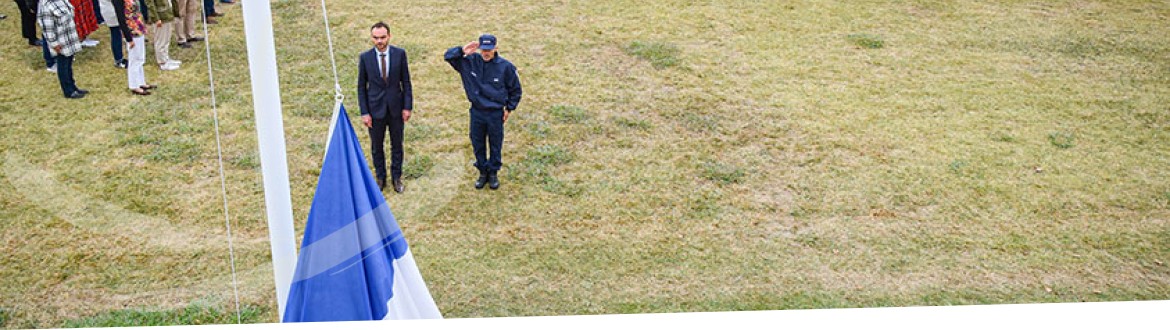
417, 167
659, 54
865, 40
190, 315
668, 156
722, 173
569, 114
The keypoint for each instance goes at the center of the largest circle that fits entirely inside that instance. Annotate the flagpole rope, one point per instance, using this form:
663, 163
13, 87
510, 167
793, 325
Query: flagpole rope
337, 95
222, 178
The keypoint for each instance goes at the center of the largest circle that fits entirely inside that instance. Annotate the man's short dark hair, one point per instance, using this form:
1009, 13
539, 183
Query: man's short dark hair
380, 25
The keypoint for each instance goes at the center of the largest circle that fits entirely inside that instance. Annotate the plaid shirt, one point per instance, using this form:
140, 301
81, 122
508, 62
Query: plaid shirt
56, 18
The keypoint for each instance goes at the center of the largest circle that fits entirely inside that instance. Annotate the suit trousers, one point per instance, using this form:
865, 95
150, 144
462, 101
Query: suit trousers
393, 124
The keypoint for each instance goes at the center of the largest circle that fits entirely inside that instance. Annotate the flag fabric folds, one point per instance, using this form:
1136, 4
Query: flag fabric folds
354, 262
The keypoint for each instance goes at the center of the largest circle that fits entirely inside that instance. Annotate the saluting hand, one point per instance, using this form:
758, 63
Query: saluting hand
470, 48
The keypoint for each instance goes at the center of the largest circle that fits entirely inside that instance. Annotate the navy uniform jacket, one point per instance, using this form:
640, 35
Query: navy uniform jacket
375, 96
491, 85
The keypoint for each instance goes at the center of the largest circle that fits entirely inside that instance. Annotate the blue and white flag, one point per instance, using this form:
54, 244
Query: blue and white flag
354, 262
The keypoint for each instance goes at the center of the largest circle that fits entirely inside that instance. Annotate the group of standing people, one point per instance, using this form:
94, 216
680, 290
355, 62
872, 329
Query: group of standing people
65, 24
386, 98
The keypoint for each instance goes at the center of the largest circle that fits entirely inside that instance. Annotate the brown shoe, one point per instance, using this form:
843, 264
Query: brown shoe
140, 91
398, 186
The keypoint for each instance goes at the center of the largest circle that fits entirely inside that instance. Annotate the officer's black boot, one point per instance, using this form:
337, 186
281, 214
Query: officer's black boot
483, 179
493, 181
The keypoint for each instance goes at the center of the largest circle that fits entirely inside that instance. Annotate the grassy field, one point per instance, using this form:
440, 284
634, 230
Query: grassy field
668, 156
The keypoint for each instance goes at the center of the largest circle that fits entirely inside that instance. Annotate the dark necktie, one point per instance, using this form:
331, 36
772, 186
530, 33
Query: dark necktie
383, 66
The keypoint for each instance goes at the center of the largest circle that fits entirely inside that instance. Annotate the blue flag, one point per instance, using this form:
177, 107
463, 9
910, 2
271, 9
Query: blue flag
354, 262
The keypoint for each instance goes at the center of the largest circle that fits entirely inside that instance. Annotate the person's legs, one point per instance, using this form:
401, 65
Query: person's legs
65, 74
28, 22
135, 74
377, 151
191, 16
185, 24
161, 36
180, 21
478, 133
116, 45
495, 135
395, 125
50, 61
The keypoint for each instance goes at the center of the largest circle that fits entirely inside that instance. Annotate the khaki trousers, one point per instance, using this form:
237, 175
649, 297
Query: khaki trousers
185, 25
161, 37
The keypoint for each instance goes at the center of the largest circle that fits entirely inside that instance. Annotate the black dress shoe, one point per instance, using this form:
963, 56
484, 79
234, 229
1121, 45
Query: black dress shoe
195, 39
381, 183
398, 186
479, 183
75, 95
493, 182
82, 91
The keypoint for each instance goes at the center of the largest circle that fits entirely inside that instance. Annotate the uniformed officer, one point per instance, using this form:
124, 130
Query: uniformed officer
493, 88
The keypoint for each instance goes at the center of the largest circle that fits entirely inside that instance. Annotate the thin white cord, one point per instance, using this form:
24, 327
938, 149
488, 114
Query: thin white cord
338, 96
219, 154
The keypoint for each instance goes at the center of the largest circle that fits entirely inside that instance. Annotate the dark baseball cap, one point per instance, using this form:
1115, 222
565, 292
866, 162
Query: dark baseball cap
487, 42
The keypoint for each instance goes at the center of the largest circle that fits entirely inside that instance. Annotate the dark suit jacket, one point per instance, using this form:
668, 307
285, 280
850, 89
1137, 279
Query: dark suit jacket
376, 96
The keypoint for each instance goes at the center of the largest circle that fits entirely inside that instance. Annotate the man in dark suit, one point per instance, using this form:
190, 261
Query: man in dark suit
386, 98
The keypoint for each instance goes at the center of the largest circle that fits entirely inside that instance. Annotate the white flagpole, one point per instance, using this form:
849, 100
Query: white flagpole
270, 132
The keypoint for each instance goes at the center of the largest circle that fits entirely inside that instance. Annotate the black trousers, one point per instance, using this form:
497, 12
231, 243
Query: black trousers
28, 21
392, 123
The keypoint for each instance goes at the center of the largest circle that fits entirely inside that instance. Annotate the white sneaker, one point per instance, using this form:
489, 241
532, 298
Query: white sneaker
168, 66
89, 43
52, 69
177, 62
